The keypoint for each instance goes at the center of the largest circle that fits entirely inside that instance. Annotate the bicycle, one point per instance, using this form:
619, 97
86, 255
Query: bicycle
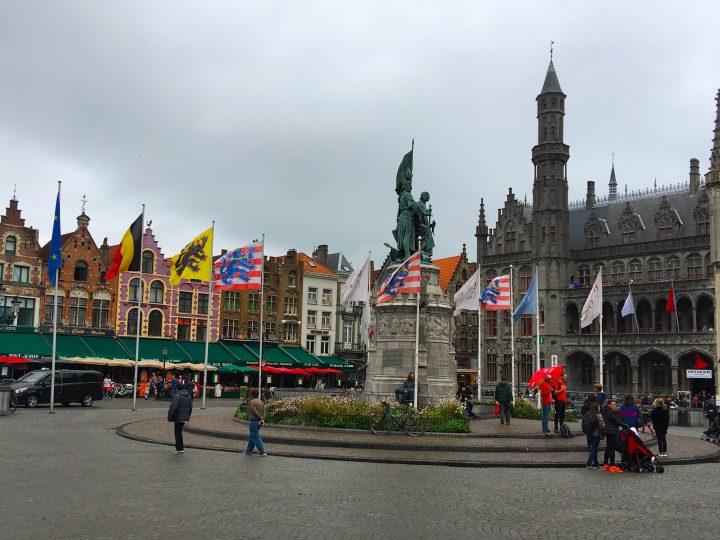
408, 420
13, 403
122, 390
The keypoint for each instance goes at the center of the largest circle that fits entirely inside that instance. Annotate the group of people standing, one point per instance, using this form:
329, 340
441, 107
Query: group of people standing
553, 392
605, 420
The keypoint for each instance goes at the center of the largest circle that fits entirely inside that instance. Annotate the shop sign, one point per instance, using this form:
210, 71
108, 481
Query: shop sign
699, 374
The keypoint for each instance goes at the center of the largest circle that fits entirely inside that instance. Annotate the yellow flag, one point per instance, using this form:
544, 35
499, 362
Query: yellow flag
194, 261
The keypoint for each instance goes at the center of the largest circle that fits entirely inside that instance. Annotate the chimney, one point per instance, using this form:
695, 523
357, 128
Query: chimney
321, 253
590, 197
694, 175
292, 254
104, 250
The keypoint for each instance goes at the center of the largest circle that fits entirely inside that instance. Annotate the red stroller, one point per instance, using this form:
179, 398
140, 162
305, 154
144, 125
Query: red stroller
635, 455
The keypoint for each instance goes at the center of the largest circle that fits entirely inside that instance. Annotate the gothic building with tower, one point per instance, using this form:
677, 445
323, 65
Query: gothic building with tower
644, 241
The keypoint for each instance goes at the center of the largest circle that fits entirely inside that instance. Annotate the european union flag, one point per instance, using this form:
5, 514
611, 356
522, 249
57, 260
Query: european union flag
527, 305
55, 257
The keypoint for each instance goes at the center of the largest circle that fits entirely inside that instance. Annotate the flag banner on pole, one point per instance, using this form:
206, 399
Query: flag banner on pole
496, 296
468, 297
593, 305
55, 256
194, 260
700, 363
239, 269
528, 304
629, 306
405, 279
356, 288
127, 256
670, 303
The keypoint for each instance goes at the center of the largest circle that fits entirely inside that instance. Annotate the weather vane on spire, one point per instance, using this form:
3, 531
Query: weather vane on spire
551, 49
83, 200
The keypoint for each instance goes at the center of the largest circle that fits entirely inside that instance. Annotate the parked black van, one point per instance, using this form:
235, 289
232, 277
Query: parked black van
71, 385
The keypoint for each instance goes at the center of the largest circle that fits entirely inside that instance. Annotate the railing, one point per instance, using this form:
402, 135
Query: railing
636, 195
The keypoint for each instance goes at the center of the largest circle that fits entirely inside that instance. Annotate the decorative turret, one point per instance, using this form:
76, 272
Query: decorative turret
481, 233
612, 192
713, 175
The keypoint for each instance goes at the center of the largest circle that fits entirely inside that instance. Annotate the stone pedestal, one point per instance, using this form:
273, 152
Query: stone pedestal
391, 355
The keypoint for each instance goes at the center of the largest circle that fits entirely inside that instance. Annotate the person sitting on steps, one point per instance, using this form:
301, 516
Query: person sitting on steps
406, 392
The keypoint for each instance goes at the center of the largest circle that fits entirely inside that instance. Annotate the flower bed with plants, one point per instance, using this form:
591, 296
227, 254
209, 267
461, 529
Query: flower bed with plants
442, 416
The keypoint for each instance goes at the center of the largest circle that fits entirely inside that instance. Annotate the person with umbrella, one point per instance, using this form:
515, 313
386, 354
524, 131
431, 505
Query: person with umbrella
546, 401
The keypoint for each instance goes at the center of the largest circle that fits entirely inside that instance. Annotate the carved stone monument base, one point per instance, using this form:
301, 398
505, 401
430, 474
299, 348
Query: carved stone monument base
391, 355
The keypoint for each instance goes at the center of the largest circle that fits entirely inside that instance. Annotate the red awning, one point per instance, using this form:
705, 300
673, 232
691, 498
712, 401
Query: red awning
13, 360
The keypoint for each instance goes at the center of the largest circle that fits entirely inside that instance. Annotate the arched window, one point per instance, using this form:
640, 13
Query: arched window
148, 262
157, 292
10, 245
132, 321
136, 290
81, 271
155, 323
654, 269
672, 266
635, 271
617, 272
694, 266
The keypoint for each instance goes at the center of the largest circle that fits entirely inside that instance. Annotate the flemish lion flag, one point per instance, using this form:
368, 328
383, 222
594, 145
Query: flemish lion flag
127, 256
194, 260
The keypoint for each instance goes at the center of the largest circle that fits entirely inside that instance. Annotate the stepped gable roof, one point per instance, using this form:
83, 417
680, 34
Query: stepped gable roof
683, 203
312, 266
447, 266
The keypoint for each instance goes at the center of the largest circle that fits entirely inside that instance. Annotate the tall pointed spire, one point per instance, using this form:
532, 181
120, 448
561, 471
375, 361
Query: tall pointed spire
551, 84
612, 193
713, 176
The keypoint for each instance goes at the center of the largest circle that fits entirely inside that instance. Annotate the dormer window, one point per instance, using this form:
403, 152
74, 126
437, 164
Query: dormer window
593, 237
703, 222
628, 233
665, 229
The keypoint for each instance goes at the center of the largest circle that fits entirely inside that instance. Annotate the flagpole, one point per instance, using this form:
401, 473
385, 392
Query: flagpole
262, 305
54, 338
512, 335
138, 320
677, 321
210, 306
367, 323
601, 323
537, 327
417, 330
479, 376
637, 324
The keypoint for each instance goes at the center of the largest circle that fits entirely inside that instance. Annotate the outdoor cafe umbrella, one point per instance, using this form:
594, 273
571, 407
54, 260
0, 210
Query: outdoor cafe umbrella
539, 375
13, 360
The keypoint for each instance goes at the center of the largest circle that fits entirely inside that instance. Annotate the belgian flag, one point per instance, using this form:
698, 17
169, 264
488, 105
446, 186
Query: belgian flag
127, 256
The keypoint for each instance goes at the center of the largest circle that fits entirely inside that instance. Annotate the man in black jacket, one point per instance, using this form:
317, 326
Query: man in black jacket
612, 430
179, 412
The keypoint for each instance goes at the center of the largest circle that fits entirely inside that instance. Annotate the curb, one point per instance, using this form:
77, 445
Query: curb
405, 461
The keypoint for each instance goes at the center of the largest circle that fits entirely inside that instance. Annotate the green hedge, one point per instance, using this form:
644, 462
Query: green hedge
443, 416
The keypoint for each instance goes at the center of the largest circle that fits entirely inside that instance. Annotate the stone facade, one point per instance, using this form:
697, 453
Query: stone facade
179, 312
85, 302
645, 241
283, 283
20, 268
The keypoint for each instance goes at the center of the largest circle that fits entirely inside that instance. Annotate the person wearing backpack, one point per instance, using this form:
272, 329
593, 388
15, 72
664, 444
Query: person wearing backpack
560, 395
594, 427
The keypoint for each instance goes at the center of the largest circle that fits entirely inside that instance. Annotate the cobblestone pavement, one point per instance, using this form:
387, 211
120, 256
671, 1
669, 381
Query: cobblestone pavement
68, 475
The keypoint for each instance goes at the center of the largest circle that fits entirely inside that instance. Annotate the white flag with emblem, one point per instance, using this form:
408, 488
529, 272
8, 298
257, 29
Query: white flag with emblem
593, 305
468, 296
356, 288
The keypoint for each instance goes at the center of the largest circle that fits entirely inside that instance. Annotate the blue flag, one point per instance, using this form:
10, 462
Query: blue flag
55, 256
528, 304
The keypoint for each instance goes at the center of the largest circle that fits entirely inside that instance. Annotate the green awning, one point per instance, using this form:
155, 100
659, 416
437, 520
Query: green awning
24, 344
236, 369
217, 354
337, 363
272, 354
106, 347
151, 349
69, 346
302, 357
241, 352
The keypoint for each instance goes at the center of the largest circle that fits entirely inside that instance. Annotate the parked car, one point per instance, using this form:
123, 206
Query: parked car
71, 385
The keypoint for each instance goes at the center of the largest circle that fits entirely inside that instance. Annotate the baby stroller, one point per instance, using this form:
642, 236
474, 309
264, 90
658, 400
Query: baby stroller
635, 455
713, 432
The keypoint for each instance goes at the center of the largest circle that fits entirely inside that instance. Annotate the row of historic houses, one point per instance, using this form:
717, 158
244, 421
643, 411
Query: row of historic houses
300, 296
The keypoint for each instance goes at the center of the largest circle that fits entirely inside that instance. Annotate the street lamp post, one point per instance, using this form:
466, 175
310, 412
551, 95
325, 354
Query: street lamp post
164, 353
8, 319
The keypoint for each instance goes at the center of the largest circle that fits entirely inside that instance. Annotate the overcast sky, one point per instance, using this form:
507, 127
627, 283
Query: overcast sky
290, 118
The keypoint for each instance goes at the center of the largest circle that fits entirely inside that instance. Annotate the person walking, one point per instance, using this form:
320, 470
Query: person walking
660, 417
560, 395
612, 430
190, 385
594, 438
503, 399
257, 420
173, 386
179, 412
546, 400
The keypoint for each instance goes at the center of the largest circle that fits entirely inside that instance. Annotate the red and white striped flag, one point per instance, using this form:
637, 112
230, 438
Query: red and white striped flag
405, 279
496, 295
239, 269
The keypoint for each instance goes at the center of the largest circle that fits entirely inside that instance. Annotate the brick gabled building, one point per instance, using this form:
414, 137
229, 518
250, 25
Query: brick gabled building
85, 303
20, 268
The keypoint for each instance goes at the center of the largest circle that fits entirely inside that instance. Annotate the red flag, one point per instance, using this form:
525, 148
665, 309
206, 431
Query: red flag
670, 303
700, 363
